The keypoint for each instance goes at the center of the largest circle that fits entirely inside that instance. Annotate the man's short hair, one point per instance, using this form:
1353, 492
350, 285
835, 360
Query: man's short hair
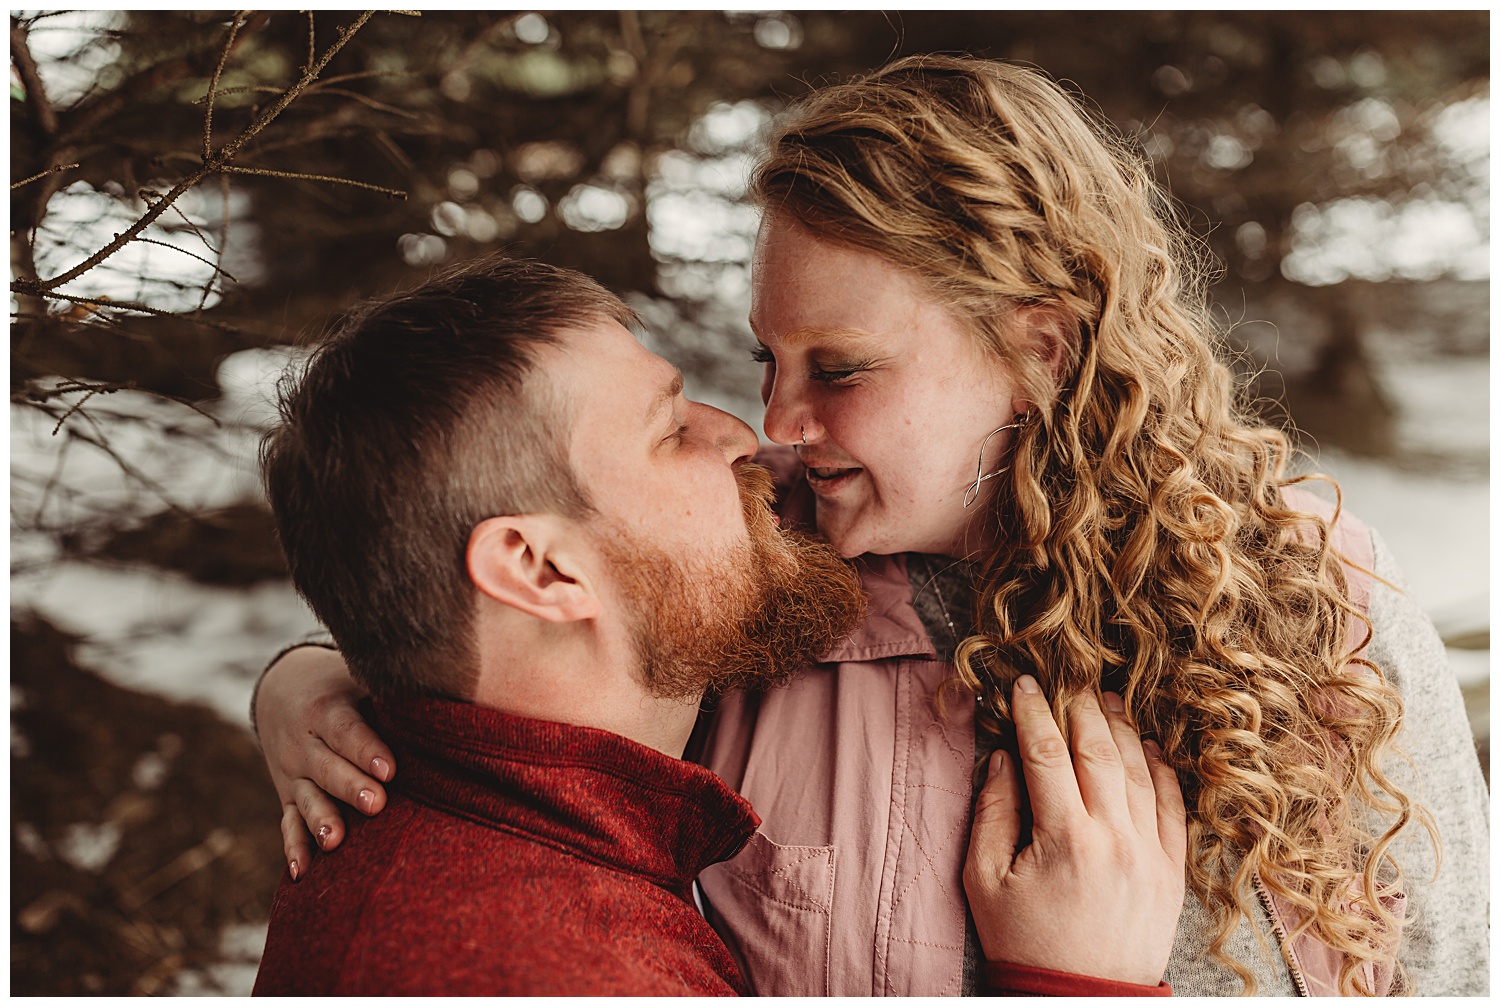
418, 418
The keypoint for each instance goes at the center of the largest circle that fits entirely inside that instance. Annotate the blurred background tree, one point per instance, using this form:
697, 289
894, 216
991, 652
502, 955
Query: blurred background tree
550, 135
288, 163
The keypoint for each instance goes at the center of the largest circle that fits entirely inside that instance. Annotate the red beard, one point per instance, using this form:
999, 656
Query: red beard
749, 618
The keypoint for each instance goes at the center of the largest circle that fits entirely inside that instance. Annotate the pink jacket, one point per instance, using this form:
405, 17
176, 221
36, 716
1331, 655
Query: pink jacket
863, 790
853, 885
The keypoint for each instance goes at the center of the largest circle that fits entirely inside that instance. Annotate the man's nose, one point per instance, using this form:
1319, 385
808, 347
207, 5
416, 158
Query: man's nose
732, 435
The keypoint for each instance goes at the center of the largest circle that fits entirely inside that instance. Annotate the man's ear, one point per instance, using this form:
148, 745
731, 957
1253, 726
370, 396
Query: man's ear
530, 563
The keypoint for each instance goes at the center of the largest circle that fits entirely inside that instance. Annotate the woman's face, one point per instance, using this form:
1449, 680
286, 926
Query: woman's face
886, 396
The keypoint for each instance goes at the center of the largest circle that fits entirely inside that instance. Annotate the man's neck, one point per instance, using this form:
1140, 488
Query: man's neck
580, 674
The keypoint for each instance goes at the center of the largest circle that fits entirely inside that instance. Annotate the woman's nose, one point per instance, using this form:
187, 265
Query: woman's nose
787, 418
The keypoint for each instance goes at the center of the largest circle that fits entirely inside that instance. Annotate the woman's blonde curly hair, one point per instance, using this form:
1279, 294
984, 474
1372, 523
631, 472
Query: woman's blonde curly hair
1147, 544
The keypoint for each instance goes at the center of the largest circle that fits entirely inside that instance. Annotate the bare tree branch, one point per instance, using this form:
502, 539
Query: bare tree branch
27, 211
75, 407
167, 244
85, 118
37, 102
343, 124
215, 163
312, 39
43, 174
53, 482
223, 241
363, 99
33, 392
148, 196
393, 193
102, 444
394, 152
104, 302
651, 64
151, 484
344, 78
213, 83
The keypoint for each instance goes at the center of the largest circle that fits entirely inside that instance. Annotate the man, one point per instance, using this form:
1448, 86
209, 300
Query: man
536, 555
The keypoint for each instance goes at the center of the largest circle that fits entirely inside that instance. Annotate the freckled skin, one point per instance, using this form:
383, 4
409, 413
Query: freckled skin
920, 394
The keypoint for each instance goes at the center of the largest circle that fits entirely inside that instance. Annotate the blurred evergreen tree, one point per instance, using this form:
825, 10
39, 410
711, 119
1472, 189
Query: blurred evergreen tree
489, 122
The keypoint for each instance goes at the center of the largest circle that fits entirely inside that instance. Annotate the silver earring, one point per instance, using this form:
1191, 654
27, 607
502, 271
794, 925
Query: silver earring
980, 477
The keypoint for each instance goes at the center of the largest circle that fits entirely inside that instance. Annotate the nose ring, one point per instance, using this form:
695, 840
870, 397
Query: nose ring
804, 435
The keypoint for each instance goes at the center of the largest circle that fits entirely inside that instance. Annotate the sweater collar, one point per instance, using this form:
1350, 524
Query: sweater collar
598, 795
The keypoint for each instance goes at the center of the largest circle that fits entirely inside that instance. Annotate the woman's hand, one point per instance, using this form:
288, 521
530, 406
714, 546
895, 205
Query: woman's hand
1099, 888
317, 748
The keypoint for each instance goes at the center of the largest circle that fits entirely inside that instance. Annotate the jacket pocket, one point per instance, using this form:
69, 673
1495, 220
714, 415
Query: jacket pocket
776, 902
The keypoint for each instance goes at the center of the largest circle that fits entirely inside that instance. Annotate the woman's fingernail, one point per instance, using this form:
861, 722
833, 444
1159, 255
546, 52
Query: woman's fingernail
1028, 684
292, 868
324, 832
365, 800
1113, 702
377, 769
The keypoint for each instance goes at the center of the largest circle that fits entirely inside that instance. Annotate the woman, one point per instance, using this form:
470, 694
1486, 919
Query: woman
987, 348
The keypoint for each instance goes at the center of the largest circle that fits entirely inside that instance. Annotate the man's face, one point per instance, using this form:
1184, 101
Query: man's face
649, 460
715, 594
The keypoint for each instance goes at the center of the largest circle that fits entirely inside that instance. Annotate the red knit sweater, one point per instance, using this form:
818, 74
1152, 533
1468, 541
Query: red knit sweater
515, 857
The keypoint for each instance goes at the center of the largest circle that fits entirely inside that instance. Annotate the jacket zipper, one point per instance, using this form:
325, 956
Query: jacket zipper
1281, 942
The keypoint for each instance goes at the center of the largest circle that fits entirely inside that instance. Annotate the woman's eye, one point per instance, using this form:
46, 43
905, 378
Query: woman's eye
761, 355
833, 375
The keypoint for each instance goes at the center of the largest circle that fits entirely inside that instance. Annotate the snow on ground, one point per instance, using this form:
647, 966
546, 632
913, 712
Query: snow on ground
1437, 529
241, 945
1432, 508
157, 631
145, 628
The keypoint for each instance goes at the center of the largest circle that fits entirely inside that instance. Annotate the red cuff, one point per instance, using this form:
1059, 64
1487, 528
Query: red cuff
1028, 980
